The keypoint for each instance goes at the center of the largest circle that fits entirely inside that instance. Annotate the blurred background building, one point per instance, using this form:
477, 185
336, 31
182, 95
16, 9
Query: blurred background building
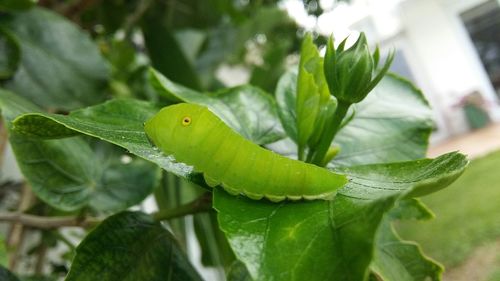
449, 48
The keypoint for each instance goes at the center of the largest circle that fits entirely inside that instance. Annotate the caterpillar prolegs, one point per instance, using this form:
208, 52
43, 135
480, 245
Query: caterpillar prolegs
197, 137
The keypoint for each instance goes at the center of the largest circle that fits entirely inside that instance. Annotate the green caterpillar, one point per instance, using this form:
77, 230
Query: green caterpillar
195, 136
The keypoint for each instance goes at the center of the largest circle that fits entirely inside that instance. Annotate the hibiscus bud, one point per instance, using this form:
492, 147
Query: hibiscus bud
351, 74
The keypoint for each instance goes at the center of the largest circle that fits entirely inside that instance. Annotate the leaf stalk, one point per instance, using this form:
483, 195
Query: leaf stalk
199, 205
330, 131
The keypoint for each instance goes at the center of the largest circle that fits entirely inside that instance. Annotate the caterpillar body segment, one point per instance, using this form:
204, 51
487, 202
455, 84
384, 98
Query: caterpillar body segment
197, 137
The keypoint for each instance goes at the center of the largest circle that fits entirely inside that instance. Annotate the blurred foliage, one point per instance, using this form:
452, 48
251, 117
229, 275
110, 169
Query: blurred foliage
199, 36
63, 55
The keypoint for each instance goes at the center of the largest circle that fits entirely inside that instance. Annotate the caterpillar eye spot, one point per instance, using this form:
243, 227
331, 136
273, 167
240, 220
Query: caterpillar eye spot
186, 121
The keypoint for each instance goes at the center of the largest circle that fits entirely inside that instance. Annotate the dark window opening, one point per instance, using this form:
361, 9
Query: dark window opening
483, 24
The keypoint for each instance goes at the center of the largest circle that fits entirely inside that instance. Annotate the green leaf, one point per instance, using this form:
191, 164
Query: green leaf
16, 5
124, 182
304, 105
174, 92
286, 98
6, 275
61, 67
215, 250
275, 52
130, 246
118, 121
255, 111
191, 42
247, 109
410, 209
392, 124
165, 52
411, 178
314, 240
221, 45
314, 104
398, 260
327, 240
121, 55
60, 172
238, 272
9, 54
68, 175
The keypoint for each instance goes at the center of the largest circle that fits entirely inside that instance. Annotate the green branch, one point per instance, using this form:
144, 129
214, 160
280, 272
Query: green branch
47, 222
199, 205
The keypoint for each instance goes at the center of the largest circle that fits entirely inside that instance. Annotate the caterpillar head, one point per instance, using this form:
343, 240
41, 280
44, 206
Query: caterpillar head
173, 125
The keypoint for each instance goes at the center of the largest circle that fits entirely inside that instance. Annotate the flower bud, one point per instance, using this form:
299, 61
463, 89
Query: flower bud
351, 74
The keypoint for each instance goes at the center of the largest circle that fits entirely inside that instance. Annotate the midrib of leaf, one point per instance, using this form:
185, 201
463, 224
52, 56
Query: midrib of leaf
268, 227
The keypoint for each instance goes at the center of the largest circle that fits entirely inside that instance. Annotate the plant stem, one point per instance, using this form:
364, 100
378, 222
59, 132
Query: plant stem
132, 20
332, 127
300, 152
201, 204
64, 240
41, 254
46, 222
3, 141
16, 232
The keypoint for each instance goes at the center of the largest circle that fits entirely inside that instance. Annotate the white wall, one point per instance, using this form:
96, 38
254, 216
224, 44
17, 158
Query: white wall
454, 8
445, 56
